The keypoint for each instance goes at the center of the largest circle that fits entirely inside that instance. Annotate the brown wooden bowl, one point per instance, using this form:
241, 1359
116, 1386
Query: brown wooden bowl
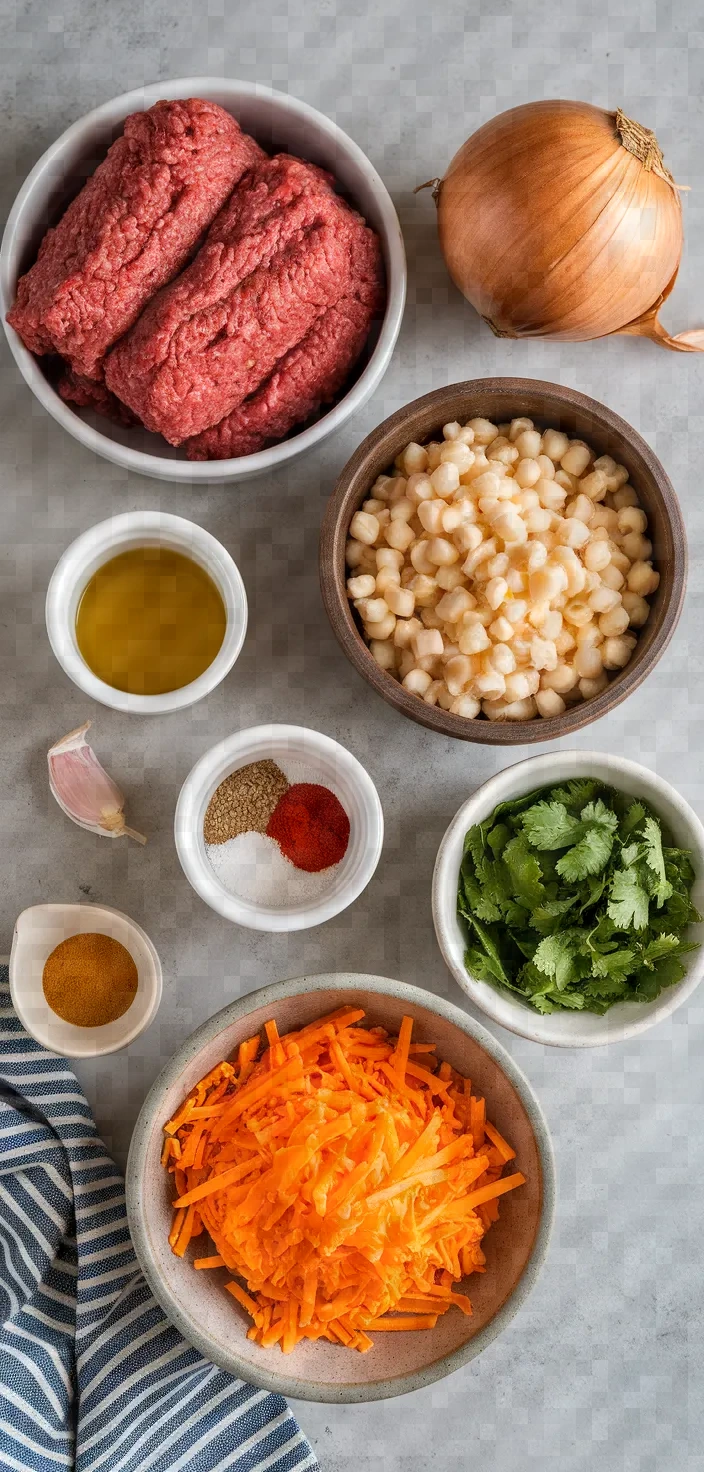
501, 399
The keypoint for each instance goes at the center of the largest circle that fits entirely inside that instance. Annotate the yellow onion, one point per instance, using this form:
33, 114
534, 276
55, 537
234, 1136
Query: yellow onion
558, 219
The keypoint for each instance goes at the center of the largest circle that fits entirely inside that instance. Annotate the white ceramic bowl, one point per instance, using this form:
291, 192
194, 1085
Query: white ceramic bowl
104, 541
279, 123
571, 1029
311, 757
37, 932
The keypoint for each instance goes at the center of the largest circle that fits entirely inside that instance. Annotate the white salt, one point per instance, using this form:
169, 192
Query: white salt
252, 867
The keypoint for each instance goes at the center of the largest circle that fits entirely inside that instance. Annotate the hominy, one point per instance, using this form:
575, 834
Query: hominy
501, 570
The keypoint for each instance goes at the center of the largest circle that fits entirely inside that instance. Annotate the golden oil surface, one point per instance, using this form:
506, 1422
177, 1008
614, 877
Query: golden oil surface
150, 620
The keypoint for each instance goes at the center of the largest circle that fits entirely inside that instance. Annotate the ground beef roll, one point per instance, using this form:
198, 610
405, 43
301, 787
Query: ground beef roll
88, 393
282, 252
310, 375
130, 230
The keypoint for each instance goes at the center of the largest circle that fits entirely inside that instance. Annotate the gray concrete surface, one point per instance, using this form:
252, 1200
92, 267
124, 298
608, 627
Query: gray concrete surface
602, 1368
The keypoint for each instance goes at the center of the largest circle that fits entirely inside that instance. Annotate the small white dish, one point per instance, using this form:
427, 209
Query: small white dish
106, 540
37, 932
279, 123
303, 755
571, 1029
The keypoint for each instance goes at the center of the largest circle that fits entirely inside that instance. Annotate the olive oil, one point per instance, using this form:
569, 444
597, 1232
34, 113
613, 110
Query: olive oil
150, 620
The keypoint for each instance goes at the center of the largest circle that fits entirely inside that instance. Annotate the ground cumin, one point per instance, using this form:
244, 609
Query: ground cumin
89, 980
244, 802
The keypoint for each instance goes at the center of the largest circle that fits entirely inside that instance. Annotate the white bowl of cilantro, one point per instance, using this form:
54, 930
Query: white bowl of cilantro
567, 896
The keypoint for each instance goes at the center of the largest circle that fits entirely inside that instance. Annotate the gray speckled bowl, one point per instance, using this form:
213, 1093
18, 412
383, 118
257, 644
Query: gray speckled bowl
515, 1246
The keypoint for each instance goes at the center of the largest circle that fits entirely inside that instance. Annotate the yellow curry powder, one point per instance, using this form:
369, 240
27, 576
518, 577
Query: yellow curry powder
89, 980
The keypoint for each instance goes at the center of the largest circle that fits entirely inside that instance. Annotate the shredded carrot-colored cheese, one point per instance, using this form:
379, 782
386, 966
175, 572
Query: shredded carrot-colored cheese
345, 1186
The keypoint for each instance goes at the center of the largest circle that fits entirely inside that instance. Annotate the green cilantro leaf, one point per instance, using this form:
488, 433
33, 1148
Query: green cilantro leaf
652, 839
607, 986
535, 983
514, 805
525, 873
576, 792
495, 882
633, 819
479, 964
677, 913
629, 903
477, 901
572, 1000
544, 1005
490, 949
655, 860
597, 813
649, 983
588, 856
517, 916
474, 844
546, 917
615, 964
498, 838
668, 971
485, 908
678, 867
548, 825
592, 891
663, 945
555, 957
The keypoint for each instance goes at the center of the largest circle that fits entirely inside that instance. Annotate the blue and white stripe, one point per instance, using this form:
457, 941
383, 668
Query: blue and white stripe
92, 1375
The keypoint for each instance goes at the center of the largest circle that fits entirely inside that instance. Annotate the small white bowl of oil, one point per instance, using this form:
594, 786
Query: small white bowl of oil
99, 640
38, 931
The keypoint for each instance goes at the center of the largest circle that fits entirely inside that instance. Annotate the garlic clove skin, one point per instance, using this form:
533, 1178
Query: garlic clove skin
84, 790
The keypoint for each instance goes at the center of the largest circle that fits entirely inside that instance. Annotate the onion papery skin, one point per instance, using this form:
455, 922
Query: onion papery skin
552, 228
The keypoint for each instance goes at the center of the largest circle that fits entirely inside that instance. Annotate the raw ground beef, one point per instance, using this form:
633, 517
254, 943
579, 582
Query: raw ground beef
87, 393
310, 375
283, 251
130, 230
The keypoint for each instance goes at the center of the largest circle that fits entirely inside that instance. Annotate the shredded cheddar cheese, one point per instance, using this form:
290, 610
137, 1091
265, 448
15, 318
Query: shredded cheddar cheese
345, 1185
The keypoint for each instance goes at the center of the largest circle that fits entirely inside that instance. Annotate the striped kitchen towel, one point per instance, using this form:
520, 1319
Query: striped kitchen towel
92, 1375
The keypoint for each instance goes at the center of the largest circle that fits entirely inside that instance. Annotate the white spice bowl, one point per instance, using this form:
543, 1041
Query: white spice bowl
279, 123
37, 933
311, 757
108, 539
567, 1029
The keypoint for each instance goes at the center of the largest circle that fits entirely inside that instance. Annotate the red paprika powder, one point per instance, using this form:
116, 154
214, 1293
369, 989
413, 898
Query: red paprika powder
310, 826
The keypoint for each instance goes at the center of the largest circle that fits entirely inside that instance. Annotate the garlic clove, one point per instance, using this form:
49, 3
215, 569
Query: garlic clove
84, 790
